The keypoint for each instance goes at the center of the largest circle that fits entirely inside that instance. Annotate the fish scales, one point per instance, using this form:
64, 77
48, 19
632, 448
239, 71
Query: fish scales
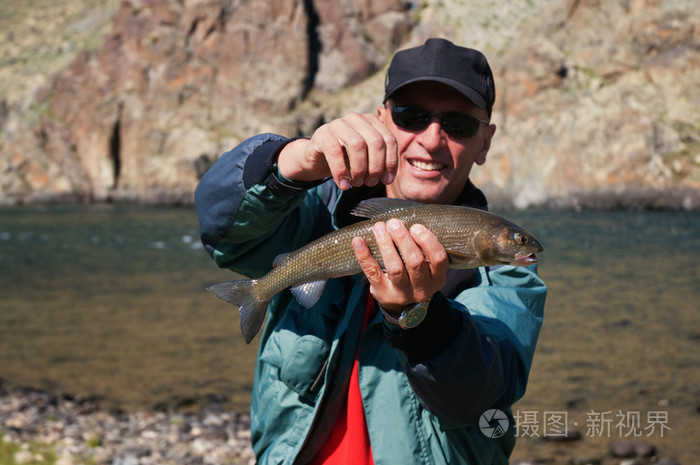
329, 257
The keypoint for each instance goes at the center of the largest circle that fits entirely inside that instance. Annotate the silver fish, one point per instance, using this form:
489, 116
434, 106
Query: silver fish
471, 237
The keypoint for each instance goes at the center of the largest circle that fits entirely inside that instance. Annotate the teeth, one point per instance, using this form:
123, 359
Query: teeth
427, 166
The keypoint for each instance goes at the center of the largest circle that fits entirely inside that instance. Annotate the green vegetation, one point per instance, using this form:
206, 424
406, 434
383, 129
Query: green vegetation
41, 454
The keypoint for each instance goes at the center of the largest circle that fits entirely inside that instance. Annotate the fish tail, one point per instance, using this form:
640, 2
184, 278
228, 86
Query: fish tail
241, 293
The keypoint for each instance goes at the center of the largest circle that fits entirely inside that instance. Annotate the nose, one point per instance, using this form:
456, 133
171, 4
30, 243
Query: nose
433, 135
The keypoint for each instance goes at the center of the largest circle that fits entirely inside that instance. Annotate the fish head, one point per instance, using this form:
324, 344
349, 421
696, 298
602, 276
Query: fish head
502, 242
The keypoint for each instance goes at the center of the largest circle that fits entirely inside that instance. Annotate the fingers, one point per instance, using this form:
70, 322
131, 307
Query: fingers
327, 146
382, 151
403, 259
370, 267
415, 264
435, 254
358, 149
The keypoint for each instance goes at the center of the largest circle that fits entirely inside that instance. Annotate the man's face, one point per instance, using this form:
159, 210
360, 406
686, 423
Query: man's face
434, 166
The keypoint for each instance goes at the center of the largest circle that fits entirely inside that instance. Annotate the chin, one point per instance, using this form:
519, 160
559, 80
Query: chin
424, 197
418, 192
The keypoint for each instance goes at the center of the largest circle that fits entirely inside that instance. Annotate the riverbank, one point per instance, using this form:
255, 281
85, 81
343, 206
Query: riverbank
42, 428
640, 199
39, 427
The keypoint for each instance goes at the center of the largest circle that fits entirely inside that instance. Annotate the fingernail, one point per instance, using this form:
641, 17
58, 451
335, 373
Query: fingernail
344, 184
380, 228
357, 243
393, 224
417, 229
388, 178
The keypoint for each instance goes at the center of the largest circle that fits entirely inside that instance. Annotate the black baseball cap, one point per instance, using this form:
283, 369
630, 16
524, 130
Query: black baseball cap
464, 69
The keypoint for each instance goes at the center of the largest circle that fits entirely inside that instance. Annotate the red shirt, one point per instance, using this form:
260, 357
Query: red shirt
348, 442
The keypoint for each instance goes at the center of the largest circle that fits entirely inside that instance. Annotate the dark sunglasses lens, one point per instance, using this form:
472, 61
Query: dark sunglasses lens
411, 118
417, 119
459, 125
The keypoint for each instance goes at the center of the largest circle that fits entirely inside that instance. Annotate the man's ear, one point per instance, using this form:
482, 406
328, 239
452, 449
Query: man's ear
486, 145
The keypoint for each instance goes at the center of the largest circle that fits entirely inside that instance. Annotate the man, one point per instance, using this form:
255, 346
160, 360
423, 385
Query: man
348, 381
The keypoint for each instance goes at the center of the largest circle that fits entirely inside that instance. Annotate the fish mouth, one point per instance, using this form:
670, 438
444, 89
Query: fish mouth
525, 259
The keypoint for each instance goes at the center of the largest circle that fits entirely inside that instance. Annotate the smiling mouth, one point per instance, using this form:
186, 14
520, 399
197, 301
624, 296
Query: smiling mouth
426, 165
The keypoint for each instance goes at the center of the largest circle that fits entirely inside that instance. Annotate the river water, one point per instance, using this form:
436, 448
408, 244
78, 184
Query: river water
109, 301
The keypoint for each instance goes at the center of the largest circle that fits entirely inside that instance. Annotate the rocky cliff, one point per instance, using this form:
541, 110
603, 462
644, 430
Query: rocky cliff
597, 102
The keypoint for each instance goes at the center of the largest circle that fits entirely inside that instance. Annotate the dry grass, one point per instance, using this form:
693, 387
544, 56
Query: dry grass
40, 37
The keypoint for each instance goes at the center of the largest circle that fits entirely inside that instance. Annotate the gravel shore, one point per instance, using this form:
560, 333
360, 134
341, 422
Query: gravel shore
53, 429
78, 431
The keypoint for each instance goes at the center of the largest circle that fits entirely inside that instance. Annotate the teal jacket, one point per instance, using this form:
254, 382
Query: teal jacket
424, 390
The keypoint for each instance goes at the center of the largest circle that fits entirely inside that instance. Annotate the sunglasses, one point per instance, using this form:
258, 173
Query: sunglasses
455, 124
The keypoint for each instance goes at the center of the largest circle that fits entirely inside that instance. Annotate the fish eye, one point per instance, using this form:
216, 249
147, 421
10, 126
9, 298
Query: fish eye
520, 239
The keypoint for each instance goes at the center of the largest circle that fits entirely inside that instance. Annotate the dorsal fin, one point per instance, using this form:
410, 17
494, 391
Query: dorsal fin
372, 208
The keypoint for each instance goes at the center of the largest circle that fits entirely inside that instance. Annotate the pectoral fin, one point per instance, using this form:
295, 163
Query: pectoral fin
460, 259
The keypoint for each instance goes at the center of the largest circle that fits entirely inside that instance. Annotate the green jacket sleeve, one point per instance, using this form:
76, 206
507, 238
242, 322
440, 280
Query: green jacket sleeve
247, 213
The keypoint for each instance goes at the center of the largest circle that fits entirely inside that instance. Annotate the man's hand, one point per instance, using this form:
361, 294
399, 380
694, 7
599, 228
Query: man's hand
354, 150
415, 264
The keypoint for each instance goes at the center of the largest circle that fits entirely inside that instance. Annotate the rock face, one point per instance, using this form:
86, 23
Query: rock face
177, 83
597, 105
594, 99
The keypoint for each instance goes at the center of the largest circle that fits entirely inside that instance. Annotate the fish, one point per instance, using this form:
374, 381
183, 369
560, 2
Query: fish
471, 237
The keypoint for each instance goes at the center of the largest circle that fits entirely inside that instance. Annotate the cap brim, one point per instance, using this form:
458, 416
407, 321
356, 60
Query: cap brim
467, 91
